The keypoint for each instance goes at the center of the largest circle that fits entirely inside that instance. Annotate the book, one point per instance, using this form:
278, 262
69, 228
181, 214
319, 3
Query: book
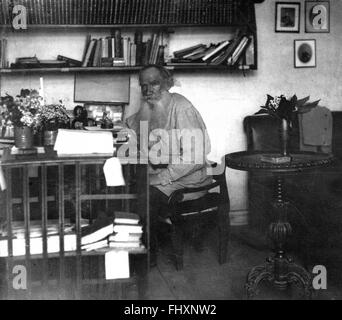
118, 244
160, 55
71, 62
99, 230
127, 228
118, 62
126, 217
218, 49
127, 50
112, 40
133, 54
125, 236
87, 58
199, 50
154, 43
95, 245
87, 42
107, 62
118, 44
250, 57
97, 55
181, 53
275, 159
138, 40
104, 48
238, 50
147, 51
240, 57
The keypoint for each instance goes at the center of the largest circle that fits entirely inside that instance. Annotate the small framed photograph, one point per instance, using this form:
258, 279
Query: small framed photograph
305, 53
317, 16
287, 17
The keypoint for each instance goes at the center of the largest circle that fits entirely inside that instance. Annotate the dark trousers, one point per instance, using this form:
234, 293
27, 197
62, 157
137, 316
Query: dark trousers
158, 208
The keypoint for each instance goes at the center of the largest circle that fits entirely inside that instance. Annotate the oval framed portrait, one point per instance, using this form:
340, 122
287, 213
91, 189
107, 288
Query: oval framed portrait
305, 53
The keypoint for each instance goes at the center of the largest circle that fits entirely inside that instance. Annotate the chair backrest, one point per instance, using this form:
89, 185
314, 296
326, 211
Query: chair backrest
263, 133
219, 180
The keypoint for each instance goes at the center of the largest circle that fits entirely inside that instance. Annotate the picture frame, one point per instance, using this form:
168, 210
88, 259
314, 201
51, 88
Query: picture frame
287, 17
317, 16
305, 53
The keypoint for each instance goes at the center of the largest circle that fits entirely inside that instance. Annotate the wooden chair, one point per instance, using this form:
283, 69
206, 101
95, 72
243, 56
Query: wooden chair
216, 204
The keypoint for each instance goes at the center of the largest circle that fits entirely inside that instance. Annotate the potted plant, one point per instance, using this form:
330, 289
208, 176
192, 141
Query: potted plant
51, 118
21, 114
284, 110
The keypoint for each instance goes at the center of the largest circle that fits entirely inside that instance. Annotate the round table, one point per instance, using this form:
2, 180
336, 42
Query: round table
279, 269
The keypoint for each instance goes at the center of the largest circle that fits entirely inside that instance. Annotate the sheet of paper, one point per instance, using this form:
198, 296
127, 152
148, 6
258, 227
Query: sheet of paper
113, 173
117, 265
3, 184
83, 142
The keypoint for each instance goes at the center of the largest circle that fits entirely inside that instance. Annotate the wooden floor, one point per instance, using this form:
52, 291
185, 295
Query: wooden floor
203, 278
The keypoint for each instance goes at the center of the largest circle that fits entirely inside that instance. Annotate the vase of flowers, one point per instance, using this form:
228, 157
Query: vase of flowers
22, 113
23, 137
284, 111
51, 118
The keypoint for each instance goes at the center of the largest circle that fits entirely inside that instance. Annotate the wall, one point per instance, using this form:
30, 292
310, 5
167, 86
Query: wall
223, 99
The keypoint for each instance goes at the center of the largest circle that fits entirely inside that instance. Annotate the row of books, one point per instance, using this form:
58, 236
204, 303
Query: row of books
102, 12
122, 232
240, 49
121, 50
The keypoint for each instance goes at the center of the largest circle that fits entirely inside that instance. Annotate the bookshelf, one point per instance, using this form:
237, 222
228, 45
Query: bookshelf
131, 12
166, 16
117, 69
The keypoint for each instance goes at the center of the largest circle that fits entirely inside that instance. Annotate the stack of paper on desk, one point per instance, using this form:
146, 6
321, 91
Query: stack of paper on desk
81, 142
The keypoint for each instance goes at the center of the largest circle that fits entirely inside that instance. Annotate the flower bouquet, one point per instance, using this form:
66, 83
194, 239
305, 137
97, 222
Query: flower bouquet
285, 110
282, 108
23, 109
51, 118
20, 114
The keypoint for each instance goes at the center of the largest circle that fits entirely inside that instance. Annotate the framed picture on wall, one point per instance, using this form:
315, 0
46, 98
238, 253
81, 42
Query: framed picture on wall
287, 17
317, 16
305, 53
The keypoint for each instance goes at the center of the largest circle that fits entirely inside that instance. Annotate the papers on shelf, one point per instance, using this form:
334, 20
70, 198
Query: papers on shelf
36, 245
117, 265
81, 142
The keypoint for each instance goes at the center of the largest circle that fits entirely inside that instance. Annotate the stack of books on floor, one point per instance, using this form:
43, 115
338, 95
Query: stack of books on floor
234, 52
122, 232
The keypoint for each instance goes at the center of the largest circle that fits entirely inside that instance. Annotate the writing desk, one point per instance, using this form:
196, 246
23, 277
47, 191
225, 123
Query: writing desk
66, 169
279, 269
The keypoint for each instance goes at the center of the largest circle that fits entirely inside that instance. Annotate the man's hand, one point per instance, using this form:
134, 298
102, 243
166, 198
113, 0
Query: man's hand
154, 180
159, 179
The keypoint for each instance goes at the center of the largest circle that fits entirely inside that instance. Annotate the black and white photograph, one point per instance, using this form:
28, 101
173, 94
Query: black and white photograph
287, 17
305, 53
170, 155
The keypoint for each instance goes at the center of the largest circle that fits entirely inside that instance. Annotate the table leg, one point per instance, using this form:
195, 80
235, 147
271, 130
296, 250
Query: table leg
279, 269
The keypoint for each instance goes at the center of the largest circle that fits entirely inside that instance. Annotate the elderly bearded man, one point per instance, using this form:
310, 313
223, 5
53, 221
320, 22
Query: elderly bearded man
170, 118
